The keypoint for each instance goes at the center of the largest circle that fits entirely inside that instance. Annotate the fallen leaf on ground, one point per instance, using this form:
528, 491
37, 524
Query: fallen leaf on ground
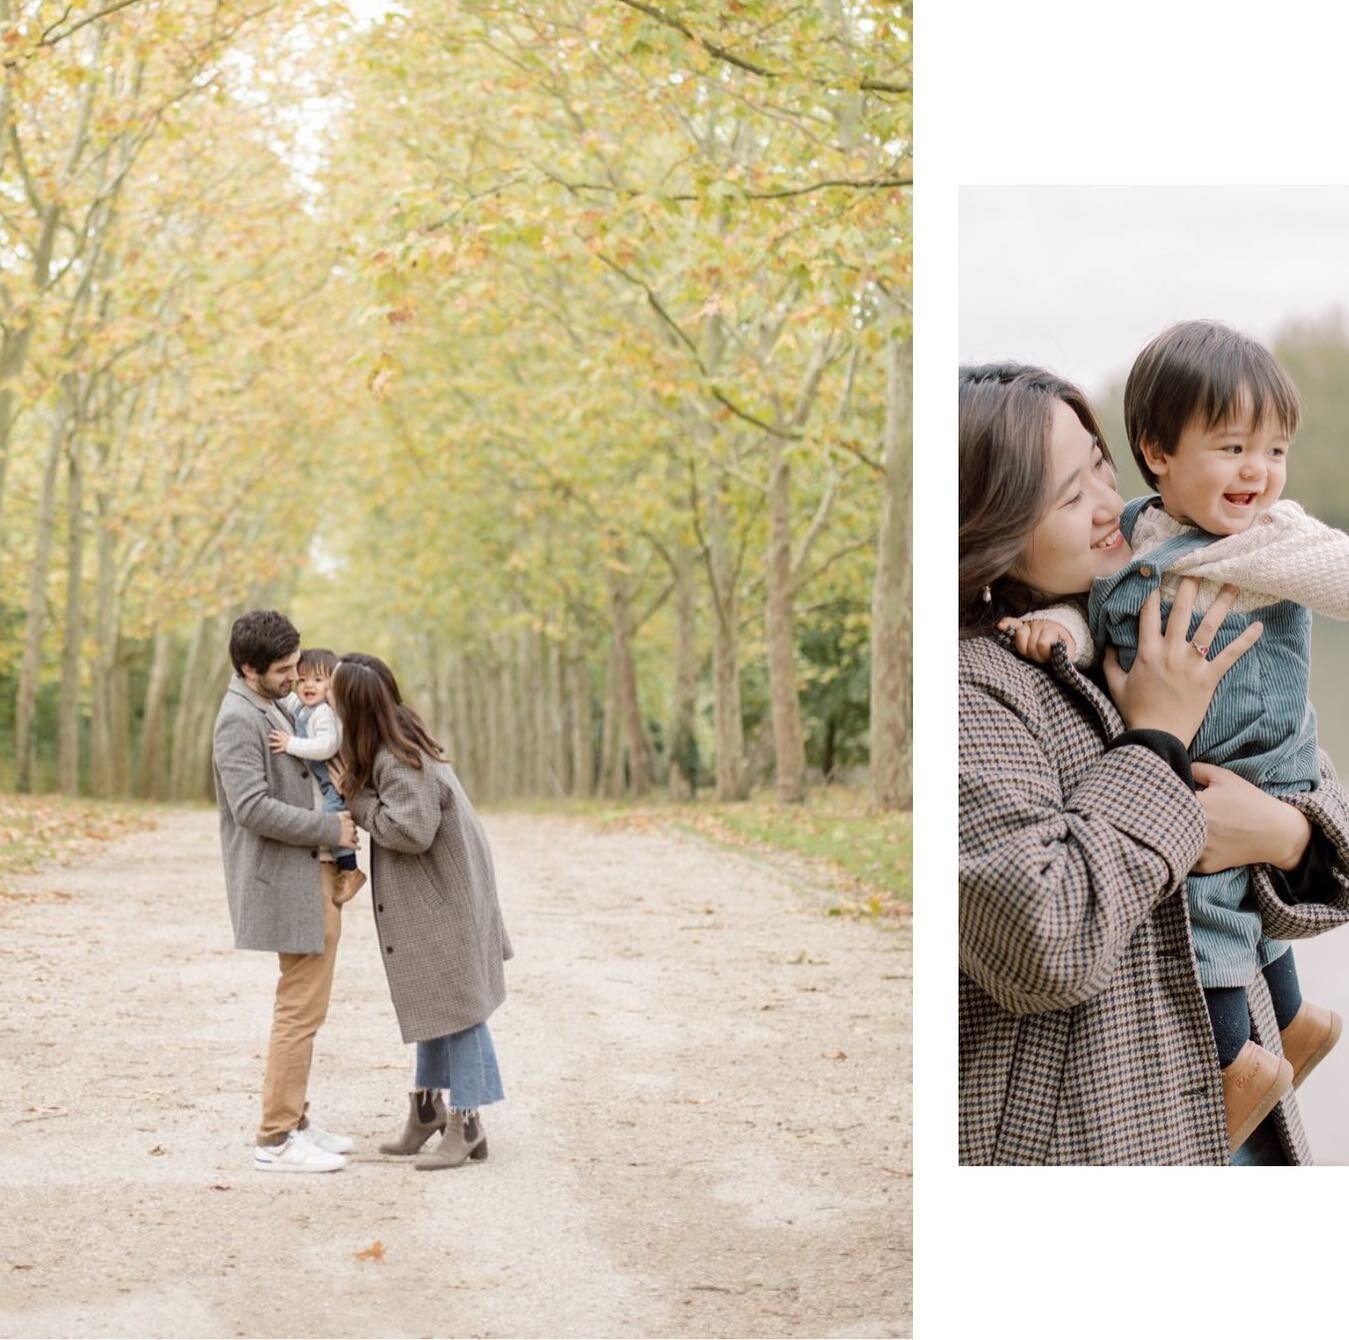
220, 1186
42, 1113
157, 1151
839, 1055
374, 1252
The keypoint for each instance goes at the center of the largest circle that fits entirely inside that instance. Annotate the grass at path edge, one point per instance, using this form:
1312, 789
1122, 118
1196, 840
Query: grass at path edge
42, 828
867, 858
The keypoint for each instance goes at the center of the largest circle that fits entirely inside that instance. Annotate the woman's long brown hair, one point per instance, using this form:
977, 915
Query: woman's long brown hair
374, 716
1006, 411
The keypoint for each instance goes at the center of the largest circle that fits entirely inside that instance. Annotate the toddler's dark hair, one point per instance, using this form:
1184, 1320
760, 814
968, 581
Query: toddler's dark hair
1202, 369
317, 660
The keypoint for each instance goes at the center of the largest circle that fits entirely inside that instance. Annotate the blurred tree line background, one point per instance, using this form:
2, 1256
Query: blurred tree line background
557, 352
1315, 351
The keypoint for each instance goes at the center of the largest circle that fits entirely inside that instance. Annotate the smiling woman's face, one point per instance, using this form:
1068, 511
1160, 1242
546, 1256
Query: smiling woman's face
1078, 539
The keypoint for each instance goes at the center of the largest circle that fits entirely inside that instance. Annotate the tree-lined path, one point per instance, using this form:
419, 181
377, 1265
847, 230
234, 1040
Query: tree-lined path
557, 352
706, 1128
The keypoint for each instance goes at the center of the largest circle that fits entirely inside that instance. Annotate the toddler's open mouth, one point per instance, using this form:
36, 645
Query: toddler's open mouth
1240, 499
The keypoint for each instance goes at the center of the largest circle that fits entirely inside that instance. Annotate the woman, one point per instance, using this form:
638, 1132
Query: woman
1083, 1032
436, 908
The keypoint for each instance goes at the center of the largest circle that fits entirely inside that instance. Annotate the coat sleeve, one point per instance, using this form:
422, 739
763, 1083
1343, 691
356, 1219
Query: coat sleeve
323, 740
1054, 884
401, 807
241, 761
1327, 809
1285, 555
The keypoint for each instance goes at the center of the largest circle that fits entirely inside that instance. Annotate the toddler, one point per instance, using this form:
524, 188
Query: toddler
317, 738
1211, 417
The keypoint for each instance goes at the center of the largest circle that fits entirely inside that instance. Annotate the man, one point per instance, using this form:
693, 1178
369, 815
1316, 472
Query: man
279, 876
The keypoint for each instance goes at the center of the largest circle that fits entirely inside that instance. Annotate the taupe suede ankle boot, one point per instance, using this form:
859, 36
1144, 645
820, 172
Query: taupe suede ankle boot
426, 1116
464, 1139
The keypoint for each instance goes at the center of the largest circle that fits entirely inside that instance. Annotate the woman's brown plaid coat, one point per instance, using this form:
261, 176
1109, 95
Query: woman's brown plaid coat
1083, 1032
435, 896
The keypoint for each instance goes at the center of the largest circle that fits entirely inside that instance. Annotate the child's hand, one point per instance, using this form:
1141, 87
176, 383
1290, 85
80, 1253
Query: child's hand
1035, 638
278, 739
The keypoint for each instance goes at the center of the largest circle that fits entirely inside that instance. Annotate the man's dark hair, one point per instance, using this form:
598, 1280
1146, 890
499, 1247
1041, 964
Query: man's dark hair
318, 659
1202, 369
260, 638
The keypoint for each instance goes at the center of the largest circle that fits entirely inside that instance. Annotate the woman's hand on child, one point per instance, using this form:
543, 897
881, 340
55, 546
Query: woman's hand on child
278, 739
350, 837
1035, 638
337, 775
1172, 679
1246, 826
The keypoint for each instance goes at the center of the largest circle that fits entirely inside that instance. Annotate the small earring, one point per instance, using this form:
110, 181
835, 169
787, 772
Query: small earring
988, 596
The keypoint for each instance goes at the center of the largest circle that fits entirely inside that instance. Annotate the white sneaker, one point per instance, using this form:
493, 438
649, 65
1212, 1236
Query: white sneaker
326, 1140
296, 1154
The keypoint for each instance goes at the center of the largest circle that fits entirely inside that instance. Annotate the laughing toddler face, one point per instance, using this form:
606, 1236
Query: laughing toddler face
1220, 477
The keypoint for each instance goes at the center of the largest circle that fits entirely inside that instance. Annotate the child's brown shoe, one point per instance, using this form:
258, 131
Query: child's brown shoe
1308, 1039
347, 885
1252, 1087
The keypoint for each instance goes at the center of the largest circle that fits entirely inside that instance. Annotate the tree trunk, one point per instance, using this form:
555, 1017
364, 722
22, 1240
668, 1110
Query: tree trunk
68, 729
182, 763
891, 613
101, 769
35, 624
14, 348
582, 728
630, 712
151, 778
788, 749
728, 717
611, 738
683, 742
559, 755
121, 721
217, 678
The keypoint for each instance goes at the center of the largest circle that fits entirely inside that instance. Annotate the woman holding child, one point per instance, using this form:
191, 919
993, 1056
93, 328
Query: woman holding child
439, 923
1086, 1034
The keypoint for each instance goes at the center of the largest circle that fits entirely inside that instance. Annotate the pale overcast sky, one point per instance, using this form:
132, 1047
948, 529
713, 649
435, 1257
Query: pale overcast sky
1078, 278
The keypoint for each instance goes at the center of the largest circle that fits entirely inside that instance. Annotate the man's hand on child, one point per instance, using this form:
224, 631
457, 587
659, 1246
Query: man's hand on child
1035, 638
278, 739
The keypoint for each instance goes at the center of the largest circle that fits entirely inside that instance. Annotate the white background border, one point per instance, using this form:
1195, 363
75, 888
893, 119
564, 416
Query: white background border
1053, 92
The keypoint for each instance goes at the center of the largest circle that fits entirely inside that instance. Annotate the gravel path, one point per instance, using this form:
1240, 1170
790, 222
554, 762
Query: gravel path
706, 1129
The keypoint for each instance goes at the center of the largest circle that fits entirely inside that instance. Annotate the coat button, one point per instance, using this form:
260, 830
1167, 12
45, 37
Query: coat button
1145, 571
314, 854
379, 907
1266, 520
388, 949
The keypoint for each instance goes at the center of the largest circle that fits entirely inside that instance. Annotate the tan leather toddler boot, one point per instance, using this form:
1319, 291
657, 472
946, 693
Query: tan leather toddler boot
1253, 1085
347, 885
1309, 1037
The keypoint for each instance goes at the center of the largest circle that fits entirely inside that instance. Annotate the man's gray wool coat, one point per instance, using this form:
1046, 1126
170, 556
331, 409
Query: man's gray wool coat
1083, 1033
434, 891
270, 829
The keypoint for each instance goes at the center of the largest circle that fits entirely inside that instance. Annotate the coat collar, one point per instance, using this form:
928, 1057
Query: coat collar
1105, 711
271, 710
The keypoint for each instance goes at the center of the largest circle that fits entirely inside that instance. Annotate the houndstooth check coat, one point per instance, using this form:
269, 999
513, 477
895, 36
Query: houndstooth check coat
1083, 1033
434, 892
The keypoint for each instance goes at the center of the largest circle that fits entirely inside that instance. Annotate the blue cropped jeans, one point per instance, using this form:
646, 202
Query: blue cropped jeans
464, 1063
